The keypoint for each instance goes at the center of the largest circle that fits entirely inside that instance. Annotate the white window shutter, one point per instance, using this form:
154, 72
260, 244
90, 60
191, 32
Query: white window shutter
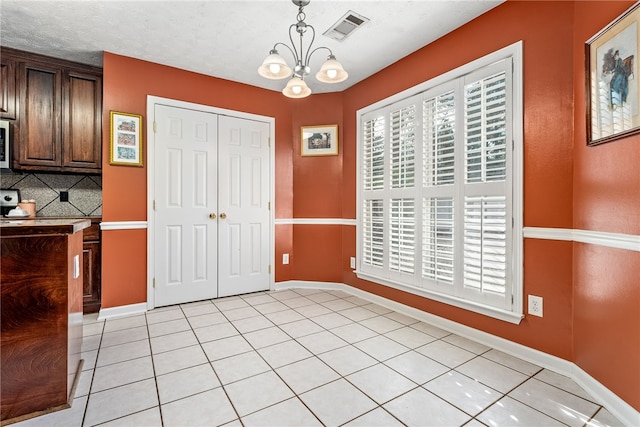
439, 210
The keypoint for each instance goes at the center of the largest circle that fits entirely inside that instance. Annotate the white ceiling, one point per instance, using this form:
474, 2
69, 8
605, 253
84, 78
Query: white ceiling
229, 38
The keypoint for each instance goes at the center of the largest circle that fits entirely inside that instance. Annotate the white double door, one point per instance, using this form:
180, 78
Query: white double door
211, 216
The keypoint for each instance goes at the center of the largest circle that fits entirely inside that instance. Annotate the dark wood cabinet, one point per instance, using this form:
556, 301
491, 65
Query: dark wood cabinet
39, 137
58, 125
82, 121
7, 88
91, 257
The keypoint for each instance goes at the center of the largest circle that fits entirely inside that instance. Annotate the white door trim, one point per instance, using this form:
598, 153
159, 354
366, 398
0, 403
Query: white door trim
151, 103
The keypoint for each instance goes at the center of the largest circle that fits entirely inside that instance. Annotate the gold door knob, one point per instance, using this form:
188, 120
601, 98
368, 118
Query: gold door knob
212, 216
223, 215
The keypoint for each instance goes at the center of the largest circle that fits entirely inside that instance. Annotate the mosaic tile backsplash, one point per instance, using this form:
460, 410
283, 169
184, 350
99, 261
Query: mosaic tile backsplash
85, 192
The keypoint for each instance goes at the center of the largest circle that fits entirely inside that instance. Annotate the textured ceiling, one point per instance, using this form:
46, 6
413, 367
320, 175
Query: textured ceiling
229, 39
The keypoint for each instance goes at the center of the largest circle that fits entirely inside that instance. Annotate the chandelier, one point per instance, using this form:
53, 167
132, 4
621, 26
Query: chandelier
275, 67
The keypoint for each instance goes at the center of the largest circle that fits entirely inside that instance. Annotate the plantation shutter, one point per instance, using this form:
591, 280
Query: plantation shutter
438, 233
402, 221
436, 191
486, 219
373, 179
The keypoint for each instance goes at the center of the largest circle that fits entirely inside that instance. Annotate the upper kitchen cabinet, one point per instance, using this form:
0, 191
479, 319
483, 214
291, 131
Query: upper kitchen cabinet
81, 121
37, 142
7, 88
59, 116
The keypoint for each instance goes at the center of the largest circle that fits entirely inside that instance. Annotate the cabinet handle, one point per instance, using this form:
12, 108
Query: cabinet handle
223, 215
212, 216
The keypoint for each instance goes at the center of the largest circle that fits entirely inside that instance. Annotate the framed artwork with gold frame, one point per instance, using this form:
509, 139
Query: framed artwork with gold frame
125, 139
612, 89
319, 140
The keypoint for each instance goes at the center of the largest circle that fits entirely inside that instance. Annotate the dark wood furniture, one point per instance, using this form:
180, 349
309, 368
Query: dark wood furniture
41, 316
92, 267
58, 119
7, 88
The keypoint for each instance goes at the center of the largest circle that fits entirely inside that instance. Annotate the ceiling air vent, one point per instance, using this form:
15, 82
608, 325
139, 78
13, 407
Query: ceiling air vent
345, 26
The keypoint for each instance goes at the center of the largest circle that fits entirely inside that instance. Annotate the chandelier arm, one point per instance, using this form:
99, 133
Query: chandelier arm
287, 46
309, 52
296, 57
318, 48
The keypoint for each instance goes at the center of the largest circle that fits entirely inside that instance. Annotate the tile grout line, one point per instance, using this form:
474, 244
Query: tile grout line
340, 376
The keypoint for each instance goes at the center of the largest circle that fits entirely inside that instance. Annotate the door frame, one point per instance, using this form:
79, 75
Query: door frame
152, 101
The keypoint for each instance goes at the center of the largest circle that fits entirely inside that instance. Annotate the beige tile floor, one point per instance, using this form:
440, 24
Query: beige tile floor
306, 358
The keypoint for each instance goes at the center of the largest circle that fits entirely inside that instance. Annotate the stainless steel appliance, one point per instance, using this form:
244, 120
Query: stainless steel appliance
5, 145
8, 200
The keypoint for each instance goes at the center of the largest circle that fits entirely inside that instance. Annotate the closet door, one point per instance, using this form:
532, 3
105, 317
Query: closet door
243, 206
185, 224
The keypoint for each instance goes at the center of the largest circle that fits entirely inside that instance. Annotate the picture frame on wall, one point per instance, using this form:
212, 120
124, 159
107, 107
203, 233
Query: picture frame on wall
125, 139
319, 140
612, 89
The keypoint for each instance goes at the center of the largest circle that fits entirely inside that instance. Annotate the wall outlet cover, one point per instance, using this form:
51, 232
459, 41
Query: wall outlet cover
535, 305
352, 262
285, 258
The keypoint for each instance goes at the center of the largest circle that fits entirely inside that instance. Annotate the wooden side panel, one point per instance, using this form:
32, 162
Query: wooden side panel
33, 324
74, 305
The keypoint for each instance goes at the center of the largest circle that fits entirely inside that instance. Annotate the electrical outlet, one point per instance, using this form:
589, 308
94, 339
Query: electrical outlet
64, 196
285, 258
352, 262
535, 305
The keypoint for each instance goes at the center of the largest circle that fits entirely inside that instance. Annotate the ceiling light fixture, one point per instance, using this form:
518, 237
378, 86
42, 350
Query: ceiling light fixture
275, 67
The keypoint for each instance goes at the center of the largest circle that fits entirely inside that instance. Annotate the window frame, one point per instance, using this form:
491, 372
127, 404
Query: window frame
514, 314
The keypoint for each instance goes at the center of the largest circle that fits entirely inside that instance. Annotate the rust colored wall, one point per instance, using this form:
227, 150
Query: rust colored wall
591, 293
606, 198
124, 267
546, 31
127, 82
592, 297
317, 187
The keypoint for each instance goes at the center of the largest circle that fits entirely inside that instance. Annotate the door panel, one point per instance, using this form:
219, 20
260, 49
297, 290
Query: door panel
186, 185
242, 196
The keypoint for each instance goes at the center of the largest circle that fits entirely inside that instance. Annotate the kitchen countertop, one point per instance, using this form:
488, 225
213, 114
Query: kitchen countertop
24, 226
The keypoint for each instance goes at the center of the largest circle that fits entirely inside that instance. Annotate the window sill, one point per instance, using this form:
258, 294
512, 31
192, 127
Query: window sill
507, 316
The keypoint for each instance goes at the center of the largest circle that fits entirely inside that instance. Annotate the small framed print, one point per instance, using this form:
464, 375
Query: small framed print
319, 140
126, 139
613, 92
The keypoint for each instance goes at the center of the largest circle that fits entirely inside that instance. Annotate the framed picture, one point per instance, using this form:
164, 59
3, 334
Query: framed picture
126, 139
319, 140
613, 93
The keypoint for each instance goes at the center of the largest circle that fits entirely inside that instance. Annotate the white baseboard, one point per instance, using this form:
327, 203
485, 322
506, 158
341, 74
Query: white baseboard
122, 310
614, 404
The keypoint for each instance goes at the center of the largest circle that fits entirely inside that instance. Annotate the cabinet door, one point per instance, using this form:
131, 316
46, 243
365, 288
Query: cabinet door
91, 282
82, 121
7, 89
39, 128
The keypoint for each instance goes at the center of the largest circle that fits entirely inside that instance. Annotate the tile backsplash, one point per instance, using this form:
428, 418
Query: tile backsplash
85, 192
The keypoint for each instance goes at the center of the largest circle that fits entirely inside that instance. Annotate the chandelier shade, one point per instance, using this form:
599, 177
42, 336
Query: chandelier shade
296, 88
331, 71
275, 66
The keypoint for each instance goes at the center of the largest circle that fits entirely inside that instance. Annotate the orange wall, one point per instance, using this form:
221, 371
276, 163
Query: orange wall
546, 31
317, 188
127, 82
606, 281
586, 302
591, 293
